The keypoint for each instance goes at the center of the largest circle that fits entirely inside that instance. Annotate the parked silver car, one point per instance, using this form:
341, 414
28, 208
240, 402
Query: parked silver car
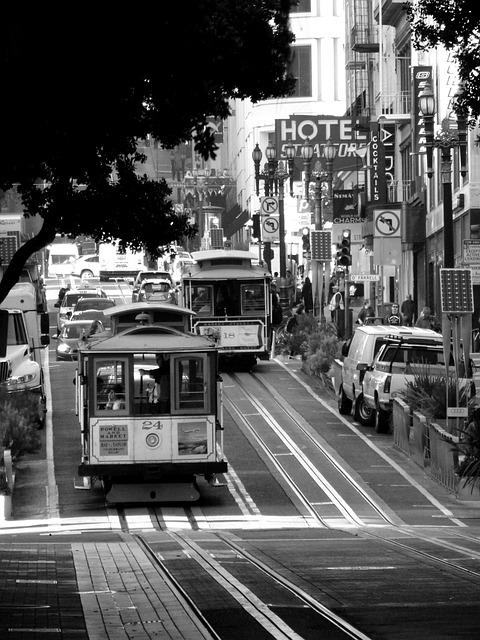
72, 334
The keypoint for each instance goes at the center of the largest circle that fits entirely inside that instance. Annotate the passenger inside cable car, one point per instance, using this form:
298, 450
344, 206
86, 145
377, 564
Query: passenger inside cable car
160, 392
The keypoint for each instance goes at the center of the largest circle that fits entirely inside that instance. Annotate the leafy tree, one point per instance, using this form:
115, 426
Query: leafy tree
80, 88
455, 24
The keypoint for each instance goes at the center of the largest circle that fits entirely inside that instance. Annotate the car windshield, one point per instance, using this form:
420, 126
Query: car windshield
92, 314
94, 303
76, 330
71, 299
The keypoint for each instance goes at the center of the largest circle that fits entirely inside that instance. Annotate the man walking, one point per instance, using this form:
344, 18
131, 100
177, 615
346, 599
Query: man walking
408, 311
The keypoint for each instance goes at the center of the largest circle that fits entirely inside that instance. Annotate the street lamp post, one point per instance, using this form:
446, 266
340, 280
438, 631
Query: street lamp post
446, 140
319, 177
274, 179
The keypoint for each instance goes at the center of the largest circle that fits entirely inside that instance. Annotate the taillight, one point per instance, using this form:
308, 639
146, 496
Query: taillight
386, 386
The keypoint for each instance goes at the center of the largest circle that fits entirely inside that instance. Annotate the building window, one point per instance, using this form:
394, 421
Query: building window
301, 69
303, 6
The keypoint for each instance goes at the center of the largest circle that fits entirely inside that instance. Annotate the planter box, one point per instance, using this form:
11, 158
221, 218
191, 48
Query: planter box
443, 455
419, 440
402, 422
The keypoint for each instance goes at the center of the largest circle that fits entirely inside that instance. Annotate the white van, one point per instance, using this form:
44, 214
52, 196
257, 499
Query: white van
60, 259
358, 355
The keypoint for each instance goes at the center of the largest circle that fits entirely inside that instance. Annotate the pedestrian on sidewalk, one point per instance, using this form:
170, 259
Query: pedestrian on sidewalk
307, 295
394, 317
365, 312
408, 311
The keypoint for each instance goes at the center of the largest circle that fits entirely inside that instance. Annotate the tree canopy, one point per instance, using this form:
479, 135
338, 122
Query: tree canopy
82, 86
455, 24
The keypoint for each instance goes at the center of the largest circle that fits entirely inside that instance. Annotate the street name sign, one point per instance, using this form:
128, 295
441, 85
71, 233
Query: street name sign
364, 277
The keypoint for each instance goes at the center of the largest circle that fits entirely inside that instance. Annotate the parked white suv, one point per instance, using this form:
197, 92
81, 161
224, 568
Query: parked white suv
396, 364
358, 354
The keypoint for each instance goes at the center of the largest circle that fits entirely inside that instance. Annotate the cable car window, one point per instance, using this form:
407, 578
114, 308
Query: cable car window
202, 297
110, 387
227, 299
191, 389
253, 299
153, 384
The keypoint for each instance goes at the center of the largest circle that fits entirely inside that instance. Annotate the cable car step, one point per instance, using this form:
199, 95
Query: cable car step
153, 492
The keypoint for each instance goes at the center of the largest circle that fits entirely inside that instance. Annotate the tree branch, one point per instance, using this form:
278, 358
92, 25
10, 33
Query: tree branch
11, 276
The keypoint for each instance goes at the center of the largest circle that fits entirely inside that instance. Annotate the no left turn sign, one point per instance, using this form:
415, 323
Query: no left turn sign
270, 228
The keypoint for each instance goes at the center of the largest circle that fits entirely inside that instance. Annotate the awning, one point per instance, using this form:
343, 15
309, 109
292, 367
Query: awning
233, 220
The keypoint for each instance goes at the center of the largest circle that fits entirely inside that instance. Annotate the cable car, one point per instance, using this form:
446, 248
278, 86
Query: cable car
230, 294
149, 402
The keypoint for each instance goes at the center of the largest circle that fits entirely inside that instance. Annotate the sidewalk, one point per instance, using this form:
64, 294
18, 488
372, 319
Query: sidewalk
91, 591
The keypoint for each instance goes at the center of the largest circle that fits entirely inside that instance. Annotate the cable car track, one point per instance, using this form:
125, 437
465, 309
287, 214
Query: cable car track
294, 440
435, 542
269, 616
410, 533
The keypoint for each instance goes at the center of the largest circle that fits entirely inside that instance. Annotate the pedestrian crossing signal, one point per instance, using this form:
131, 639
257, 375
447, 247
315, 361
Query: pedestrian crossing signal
344, 251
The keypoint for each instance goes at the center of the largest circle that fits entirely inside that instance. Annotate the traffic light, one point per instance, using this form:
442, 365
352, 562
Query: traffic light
268, 253
344, 255
306, 240
256, 232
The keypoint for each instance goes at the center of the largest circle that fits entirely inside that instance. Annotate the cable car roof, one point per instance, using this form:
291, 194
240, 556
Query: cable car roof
150, 338
141, 307
222, 254
225, 265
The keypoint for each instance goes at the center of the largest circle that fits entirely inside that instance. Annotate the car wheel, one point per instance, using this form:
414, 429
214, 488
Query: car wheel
382, 420
344, 403
363, 414
86, 274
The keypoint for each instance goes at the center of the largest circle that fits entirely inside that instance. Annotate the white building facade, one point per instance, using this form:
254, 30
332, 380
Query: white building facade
318, 63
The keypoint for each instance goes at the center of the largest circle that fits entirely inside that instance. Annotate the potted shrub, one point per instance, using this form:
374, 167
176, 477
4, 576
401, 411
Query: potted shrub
323, 347
317, 344
468, 470
427, 394
293, 341
19, 423
435, 443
